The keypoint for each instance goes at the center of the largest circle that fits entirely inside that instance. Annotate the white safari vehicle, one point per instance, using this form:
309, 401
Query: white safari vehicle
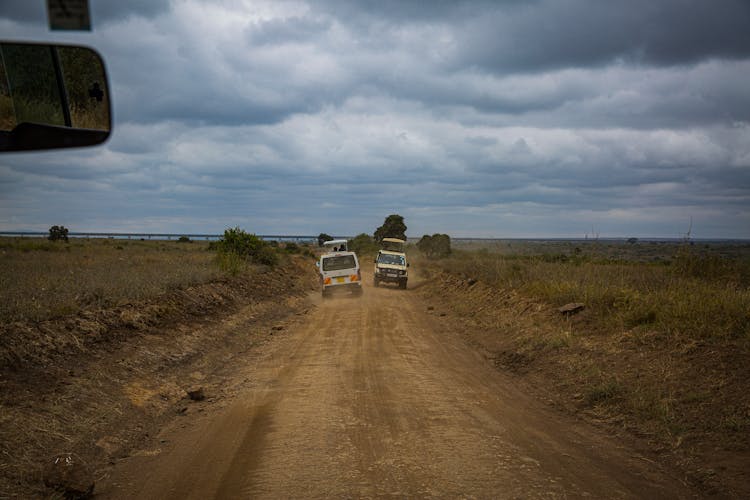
390, 263
336, 245
339, 272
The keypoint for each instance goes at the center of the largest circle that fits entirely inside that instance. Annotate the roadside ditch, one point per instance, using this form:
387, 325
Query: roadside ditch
94, 388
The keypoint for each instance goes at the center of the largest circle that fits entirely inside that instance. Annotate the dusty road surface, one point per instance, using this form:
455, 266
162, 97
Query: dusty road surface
374, 397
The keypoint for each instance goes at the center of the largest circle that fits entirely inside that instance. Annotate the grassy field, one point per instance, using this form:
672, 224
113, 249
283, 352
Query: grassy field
677, 290
40, 279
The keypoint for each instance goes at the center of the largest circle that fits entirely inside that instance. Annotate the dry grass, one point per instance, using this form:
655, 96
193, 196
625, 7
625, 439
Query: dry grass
7, 113
681, 292
98, 383
41, 280
661, 349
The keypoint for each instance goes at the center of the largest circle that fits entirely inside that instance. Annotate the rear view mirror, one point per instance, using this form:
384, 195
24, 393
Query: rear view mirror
52, 96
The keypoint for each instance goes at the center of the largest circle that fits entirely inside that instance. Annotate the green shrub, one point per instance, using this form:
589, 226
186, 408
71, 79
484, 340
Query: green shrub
231, 263
363, 244
266, 255
246, 246
436, 246
292, 247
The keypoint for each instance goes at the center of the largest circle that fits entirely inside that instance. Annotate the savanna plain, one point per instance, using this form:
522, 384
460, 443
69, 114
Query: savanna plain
104, 344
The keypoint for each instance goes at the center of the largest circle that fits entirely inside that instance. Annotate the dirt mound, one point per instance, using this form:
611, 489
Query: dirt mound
97, 384
34, 345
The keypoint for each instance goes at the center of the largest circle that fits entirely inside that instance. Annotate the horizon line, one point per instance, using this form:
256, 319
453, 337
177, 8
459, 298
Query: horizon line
161, 235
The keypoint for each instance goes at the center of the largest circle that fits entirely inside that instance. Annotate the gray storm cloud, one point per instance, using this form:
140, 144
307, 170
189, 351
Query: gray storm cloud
483, 118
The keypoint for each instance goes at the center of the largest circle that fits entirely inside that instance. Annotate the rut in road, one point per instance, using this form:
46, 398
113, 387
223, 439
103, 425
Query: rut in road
372, 397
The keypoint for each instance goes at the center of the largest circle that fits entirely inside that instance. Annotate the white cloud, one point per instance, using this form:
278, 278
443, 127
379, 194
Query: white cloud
282, 115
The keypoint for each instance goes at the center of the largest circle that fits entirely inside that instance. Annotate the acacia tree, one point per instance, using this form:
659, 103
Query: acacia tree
58, 233
393, 227
323, 237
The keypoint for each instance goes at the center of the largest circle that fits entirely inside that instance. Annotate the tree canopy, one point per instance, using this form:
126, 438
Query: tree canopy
362, 244
393, 227
323, 237
435, 246
58, 233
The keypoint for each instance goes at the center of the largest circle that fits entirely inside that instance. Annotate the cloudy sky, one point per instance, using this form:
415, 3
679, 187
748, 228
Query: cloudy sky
513, 118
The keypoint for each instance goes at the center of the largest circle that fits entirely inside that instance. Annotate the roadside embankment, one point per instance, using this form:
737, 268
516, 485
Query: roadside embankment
96, 383
684, 397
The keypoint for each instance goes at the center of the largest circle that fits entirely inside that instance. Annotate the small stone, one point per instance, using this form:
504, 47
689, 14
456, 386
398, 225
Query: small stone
109, 444
572, 308
196, 394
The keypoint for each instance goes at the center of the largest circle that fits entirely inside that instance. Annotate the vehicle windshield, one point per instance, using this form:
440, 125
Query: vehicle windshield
339, 262
396, 260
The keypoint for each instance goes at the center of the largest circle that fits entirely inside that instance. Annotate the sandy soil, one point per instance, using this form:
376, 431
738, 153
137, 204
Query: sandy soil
377, 397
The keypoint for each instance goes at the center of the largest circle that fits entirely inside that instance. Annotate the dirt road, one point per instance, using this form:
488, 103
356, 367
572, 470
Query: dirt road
376, 397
